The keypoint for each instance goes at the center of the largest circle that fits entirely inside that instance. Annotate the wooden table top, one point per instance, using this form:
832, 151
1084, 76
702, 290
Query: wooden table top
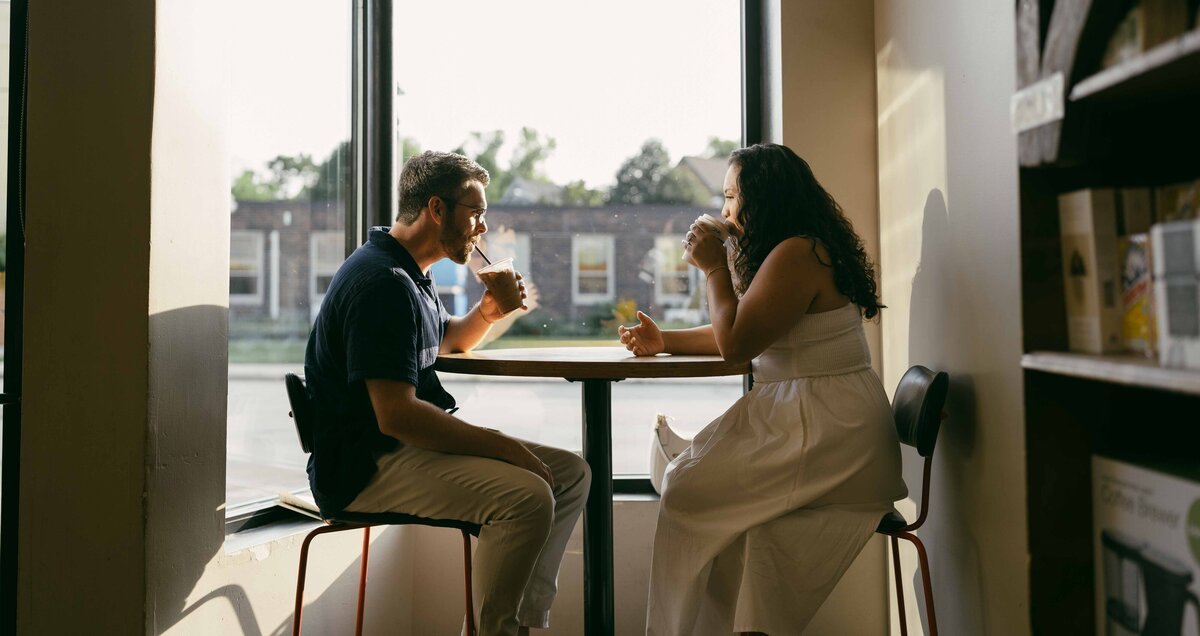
585, 363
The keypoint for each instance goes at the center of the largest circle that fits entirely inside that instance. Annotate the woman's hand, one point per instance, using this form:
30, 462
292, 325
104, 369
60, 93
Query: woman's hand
703, 248
644, 338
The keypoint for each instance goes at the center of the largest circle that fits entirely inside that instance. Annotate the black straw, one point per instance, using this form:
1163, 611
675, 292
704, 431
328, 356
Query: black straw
485, 258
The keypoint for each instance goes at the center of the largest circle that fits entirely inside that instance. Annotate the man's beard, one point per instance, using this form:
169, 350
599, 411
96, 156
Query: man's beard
457, 247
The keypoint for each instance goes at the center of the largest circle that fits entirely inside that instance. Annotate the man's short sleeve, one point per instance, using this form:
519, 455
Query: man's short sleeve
382, 333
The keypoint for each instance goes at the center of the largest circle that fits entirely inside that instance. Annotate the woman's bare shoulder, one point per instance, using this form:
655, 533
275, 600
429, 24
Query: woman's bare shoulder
801, 250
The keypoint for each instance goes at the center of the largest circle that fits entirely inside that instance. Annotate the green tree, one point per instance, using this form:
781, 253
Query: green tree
577, 194
648, 177
532, 150
332, 176
286, 177
681, 185
485, 147
639, 178
408, 148
720, 148
295, 176
249, 186
526, 160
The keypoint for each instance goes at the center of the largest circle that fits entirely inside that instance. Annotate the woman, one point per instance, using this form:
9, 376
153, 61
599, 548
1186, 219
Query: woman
773, 500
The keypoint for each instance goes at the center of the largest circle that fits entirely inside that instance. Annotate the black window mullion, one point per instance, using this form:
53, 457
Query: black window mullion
14, 293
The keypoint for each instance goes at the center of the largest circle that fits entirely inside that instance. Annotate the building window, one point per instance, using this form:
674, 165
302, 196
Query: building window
451, 279
674, 280
582, 184
246, 268
591, 269
327, 250
290, 162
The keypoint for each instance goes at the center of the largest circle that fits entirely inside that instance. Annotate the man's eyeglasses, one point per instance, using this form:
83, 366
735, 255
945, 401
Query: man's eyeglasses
453, 203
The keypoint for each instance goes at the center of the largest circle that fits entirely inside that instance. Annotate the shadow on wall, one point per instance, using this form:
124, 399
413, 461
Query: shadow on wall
238, 601
186, 466
186, 446
939, 339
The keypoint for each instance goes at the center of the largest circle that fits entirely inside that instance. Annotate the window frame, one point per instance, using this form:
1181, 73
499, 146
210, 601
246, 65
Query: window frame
315, 271
372, 149
609, 245
661, 272
370, 114
260, 246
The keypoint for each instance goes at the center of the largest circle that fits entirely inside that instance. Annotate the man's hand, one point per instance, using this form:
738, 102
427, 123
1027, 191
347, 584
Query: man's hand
644, 338
489, 310
521, 457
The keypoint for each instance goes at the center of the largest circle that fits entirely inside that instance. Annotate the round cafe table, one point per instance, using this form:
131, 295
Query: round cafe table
595, 368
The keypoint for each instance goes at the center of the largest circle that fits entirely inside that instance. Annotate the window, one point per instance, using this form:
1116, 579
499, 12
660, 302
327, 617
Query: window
328, 250
290, 132
245, 268
451, 285
591, 269
674, 280
585, 180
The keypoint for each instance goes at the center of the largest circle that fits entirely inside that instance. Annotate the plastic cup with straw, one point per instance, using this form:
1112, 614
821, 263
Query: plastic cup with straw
501, 279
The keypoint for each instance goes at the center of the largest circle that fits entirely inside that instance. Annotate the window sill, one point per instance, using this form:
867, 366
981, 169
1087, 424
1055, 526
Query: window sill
258, 524
267, 532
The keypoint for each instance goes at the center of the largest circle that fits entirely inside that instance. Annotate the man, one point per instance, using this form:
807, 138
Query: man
384, 441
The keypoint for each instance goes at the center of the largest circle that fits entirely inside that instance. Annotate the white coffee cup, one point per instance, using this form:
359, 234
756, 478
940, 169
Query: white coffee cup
710, 222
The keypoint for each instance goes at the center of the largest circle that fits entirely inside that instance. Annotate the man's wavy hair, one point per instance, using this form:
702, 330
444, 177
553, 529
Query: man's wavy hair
431, 173
780, 198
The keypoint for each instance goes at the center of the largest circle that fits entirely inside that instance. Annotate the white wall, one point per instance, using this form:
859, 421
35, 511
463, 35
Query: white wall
827, 102
123, 447
827, 107
950, 269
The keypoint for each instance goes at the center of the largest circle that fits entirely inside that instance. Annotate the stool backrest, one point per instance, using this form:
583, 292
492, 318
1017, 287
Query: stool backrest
917, 407
302, 411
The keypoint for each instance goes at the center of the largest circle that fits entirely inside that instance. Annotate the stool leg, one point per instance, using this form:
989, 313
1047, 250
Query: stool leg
925, 580
300, 579
362, 580
467, 567
899, 585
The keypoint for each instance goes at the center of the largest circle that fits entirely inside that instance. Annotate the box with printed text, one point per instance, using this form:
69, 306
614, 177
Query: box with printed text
1146, 544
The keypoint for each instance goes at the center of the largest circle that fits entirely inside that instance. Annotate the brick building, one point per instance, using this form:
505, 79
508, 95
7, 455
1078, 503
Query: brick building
582, 261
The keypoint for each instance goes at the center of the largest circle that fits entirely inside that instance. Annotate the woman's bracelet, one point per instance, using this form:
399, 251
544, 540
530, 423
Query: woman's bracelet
709, 272
480, 307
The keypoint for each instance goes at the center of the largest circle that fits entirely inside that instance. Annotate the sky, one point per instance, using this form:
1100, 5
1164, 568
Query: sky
600, 78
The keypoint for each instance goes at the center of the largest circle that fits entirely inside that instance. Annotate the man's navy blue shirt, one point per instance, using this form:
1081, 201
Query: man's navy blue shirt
381, 319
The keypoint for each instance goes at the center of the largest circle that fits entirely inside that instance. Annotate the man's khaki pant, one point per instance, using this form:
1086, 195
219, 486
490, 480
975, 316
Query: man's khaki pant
525, 524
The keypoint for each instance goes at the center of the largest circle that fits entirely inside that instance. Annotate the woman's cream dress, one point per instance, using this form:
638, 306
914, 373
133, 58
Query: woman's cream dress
774, 499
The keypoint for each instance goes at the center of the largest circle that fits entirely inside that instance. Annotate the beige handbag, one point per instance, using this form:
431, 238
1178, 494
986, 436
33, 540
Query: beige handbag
665, 446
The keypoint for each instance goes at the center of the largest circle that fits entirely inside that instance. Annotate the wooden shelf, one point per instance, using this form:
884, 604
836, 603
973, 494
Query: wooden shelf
1130, 370
1166, 71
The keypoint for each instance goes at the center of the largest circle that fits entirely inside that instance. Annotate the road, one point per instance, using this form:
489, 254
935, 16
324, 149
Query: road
265, 457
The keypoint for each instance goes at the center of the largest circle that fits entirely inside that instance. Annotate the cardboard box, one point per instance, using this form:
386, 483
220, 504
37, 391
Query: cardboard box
1146, 544
1090, 272
1175, 252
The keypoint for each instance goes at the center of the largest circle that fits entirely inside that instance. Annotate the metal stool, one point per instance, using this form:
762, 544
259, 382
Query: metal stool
917, 408
301, 414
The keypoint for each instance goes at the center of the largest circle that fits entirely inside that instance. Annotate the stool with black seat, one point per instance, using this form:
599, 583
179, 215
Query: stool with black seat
301, 414
917, 409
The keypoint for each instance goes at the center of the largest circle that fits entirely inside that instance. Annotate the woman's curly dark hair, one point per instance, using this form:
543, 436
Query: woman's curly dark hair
780, 198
